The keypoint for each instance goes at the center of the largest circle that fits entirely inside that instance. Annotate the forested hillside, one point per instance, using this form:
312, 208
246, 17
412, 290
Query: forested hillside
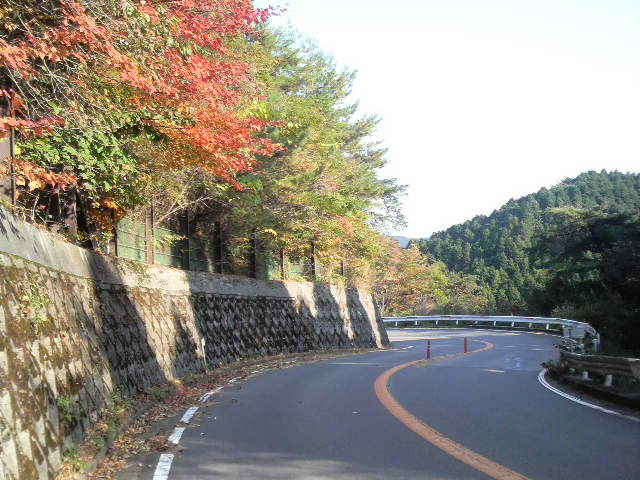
556, 251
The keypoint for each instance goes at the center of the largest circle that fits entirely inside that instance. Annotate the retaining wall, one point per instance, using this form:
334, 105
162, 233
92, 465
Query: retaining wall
76, 326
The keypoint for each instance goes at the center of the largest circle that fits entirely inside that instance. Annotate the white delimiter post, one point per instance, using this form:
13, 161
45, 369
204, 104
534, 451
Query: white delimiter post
204, 354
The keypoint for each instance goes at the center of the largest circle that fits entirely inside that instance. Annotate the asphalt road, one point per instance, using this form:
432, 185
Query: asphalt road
323, 421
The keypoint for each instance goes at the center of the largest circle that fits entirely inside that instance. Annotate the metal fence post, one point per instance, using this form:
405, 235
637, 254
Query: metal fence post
183, 219
148, 235
7, 149
313, 260
253, 255
218, 247
282, 271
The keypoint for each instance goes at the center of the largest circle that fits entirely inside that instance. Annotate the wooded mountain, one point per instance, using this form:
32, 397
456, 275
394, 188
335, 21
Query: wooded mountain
505, 250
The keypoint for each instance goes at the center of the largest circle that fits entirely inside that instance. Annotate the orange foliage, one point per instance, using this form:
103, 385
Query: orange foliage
35, 177
187, 71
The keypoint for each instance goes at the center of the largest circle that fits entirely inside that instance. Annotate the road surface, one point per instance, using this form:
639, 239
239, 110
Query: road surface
324, 421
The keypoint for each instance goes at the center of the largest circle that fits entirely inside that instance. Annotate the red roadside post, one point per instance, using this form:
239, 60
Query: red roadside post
466, 345
428, 349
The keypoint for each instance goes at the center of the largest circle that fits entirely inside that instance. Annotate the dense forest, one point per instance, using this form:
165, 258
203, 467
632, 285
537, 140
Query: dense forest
572, 250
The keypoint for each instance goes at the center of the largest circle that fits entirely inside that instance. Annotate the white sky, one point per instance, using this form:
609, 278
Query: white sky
487, 100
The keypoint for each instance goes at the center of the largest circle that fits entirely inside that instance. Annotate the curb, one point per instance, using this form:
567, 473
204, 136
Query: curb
102, 453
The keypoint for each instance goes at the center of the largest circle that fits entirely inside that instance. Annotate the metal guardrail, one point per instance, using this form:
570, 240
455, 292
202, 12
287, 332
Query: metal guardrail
569, 328
606, 366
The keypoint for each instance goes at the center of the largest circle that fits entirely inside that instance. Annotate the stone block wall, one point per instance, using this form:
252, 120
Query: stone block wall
77, 327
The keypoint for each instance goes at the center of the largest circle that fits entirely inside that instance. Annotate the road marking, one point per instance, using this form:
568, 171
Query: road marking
545, 384
205, 397
491, 370
163, 467
437, 439
354, 364
186, 418
165, 460
176, 435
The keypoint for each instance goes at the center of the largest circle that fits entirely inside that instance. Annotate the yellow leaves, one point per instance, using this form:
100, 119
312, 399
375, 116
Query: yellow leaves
106, 213
110, 204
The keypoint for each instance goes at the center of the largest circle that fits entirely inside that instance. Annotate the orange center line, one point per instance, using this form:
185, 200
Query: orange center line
437, 439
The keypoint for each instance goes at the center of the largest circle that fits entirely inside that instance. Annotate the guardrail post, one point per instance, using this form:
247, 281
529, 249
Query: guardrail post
416, 323
608, 380
204, 354
546, 326
585, 375
530, 324
466, 345
513, 324
495, 323
457, 322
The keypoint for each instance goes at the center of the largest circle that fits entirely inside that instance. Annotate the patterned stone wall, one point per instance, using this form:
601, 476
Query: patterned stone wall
76, 327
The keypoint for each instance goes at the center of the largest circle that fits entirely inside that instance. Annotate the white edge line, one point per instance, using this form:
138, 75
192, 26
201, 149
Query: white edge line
176, 435
545, 384
164, 462
205, 397
188, 414
163, 467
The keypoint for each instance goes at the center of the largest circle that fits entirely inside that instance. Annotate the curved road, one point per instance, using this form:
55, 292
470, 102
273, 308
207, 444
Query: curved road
323, 420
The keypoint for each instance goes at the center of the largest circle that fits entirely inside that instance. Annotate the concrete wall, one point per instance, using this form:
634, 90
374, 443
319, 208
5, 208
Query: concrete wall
76, 326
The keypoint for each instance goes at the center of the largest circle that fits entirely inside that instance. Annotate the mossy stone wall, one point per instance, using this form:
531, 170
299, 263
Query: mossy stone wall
77, 327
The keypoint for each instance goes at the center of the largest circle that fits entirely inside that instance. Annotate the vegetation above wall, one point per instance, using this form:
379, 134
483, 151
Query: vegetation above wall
196, 108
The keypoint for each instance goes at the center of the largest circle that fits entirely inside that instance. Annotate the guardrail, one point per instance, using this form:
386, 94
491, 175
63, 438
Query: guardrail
604, 365
569, 328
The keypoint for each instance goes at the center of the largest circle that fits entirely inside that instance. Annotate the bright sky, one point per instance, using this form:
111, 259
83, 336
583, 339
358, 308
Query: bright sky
487, 100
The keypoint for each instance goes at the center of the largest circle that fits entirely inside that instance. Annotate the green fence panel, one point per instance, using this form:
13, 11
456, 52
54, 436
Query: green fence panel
201, 254
166, 250
131, 240
267, 265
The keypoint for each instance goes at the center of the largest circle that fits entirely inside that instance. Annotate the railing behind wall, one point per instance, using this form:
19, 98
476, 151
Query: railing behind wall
203, 247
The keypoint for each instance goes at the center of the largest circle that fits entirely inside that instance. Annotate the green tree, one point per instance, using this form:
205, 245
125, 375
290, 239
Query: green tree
594, 264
